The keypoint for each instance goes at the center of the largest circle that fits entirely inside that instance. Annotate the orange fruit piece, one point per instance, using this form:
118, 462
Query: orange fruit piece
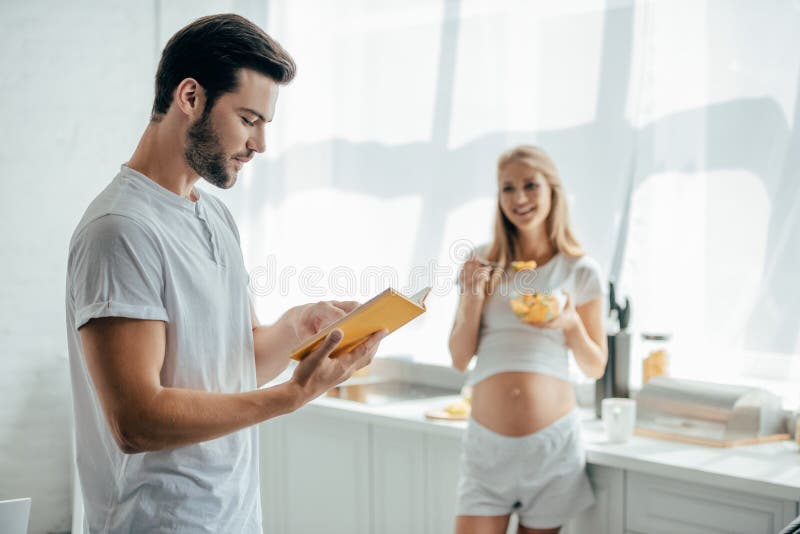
535, 308
523, 265
519, 307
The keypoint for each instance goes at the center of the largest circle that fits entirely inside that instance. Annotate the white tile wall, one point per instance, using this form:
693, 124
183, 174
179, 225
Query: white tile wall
75, 94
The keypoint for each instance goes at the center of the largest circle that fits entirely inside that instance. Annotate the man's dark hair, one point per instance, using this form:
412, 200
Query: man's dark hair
212, 50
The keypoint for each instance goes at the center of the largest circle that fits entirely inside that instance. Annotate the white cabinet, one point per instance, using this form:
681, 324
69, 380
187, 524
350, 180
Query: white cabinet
441, 465
315, 475
607, 515
326, 474
271, 473
398, 480
656, 505
333, 474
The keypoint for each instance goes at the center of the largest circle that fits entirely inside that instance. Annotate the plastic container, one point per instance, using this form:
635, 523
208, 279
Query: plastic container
655, 348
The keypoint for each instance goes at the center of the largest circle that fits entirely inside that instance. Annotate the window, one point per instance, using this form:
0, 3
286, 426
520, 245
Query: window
383, 150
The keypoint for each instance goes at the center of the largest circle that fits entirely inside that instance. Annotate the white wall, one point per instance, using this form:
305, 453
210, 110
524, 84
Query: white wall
75, 94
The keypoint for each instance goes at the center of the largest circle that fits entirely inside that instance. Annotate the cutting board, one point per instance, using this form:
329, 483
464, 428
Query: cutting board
439, 414
649, 433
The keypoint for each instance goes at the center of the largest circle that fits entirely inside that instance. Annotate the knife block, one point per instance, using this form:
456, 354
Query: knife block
615, 381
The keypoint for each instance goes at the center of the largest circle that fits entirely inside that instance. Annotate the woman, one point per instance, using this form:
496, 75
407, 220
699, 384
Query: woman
522, 449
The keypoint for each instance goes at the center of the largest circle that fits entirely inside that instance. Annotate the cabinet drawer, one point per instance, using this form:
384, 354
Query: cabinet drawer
657, 505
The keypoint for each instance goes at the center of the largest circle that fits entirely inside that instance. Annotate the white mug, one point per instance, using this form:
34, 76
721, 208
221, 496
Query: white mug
619, 418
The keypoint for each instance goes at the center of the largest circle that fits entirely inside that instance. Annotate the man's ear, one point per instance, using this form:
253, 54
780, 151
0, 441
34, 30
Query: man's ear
190, 98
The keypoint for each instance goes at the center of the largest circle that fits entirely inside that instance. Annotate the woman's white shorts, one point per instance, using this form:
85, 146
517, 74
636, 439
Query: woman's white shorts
541, 476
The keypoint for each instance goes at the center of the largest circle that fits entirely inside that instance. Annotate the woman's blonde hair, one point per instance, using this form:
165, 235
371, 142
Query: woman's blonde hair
505, 246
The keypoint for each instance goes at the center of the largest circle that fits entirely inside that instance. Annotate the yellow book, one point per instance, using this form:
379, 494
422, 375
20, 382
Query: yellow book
387, 311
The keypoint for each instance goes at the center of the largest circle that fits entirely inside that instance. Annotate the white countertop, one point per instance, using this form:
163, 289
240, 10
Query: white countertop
770, 470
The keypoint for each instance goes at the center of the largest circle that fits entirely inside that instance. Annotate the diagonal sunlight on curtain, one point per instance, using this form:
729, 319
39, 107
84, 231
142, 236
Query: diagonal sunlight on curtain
383, 151
384, 108
713, 238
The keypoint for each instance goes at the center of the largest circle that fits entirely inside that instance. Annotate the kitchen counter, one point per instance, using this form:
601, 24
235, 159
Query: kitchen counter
770, 470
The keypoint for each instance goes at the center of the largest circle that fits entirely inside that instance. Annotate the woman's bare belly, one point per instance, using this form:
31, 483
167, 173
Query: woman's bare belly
521, 403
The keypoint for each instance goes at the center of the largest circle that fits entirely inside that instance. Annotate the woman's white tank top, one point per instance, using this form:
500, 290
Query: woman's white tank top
507, 344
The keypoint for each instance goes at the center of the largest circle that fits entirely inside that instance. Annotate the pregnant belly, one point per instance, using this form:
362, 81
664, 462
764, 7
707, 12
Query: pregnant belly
521, 403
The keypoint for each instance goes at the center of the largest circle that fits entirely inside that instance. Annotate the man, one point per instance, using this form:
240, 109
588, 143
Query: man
165, 351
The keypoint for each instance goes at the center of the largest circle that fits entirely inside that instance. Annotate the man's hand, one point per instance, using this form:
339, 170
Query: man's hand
273, 344
318, 372
312, 318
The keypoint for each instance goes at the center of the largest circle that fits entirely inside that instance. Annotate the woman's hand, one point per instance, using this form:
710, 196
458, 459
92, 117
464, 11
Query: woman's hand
475, 279
568, 320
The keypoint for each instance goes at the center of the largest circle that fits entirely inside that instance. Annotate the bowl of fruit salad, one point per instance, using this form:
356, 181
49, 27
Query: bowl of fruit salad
537, 307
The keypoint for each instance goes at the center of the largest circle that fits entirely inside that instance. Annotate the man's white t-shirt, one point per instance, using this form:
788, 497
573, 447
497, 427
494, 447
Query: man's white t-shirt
143, 252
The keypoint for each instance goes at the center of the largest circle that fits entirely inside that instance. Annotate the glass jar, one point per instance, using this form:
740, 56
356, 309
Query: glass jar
655, 348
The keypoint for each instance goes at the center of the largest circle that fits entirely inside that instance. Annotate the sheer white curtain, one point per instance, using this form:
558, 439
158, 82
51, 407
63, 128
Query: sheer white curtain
380, 166
671, 123
712, 254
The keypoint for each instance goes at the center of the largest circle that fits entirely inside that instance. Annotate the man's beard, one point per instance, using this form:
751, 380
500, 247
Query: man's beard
205, 155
